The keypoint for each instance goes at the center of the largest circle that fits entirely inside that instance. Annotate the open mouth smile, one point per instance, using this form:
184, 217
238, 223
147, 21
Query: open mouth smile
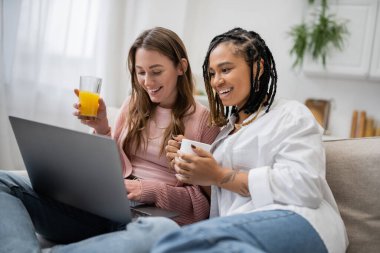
154, 91
224, 92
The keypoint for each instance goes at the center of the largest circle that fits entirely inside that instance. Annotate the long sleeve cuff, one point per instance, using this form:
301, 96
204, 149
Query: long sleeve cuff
258, 183
149, 191
108, 133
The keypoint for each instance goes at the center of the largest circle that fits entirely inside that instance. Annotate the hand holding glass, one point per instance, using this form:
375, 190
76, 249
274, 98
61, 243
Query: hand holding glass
89, 89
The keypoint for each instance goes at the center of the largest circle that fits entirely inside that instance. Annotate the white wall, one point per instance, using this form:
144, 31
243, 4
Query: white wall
198, 21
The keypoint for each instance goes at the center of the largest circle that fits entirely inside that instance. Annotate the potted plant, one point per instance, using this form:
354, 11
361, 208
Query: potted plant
318, 37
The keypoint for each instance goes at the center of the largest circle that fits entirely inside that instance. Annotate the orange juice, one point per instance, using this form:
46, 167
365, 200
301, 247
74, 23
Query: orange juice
89, 103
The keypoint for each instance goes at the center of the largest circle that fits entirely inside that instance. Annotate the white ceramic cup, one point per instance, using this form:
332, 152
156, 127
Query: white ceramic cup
186, 146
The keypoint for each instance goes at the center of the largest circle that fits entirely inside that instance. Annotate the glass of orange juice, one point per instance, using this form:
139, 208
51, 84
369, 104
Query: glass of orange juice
89, 89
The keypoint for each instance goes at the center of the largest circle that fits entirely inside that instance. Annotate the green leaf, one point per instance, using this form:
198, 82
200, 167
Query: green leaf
318, 38
325, 34
299, 34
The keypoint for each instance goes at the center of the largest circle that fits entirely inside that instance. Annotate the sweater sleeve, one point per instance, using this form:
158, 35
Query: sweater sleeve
120, 119
187, 200
206, 133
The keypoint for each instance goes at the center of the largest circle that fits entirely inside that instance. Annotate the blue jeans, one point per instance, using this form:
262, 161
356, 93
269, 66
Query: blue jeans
277, 231
23, 212
138, 237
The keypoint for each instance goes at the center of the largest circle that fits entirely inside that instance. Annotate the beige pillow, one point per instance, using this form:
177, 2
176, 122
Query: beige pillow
353, 173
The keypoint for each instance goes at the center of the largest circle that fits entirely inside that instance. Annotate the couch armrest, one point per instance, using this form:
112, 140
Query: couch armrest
353, 173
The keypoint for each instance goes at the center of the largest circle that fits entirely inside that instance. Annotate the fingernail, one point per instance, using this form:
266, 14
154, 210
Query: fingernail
193, 147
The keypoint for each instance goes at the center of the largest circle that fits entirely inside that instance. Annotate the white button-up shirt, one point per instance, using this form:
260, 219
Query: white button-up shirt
283, 154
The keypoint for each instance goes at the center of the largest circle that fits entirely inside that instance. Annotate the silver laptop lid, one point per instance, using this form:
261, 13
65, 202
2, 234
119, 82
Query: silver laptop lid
80, 169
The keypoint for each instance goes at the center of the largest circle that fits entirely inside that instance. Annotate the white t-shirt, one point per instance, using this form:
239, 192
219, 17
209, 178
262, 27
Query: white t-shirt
283, 154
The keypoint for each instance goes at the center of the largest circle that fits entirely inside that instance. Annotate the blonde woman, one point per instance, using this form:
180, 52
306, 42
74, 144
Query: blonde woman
160, 107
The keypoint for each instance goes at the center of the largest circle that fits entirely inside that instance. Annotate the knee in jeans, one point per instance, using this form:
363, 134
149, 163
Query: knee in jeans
4, 179
160, 223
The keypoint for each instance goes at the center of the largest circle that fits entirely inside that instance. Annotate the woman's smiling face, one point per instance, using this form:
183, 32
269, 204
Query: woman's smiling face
157, 74
229, 75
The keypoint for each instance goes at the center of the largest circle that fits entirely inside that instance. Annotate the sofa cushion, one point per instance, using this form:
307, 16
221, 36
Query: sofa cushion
353, 173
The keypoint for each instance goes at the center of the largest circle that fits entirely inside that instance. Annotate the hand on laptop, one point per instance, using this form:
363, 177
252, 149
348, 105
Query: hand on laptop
134, 189
100, 124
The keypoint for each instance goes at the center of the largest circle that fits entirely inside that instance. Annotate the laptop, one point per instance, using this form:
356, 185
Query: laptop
79, 169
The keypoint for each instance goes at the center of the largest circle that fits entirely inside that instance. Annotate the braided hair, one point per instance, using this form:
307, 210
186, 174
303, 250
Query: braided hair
263, 89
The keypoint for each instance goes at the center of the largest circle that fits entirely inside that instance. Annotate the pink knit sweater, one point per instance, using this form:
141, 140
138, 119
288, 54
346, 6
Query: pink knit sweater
164, 190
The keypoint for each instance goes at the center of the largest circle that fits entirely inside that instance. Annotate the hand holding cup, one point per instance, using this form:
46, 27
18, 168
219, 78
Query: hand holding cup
91, 109
187, 149
196, 165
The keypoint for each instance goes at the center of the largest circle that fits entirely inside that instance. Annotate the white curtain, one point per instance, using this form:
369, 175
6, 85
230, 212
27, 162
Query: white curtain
48, 44
56, 41
7, 142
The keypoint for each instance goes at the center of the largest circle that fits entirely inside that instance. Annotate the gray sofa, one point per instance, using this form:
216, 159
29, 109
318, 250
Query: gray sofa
353, 173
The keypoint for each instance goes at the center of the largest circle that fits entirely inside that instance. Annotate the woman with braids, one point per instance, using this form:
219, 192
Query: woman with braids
161, 106
266, 167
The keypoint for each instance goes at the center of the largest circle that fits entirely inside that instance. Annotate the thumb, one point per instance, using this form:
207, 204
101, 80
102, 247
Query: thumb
76, 91
102, 103
200, 151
